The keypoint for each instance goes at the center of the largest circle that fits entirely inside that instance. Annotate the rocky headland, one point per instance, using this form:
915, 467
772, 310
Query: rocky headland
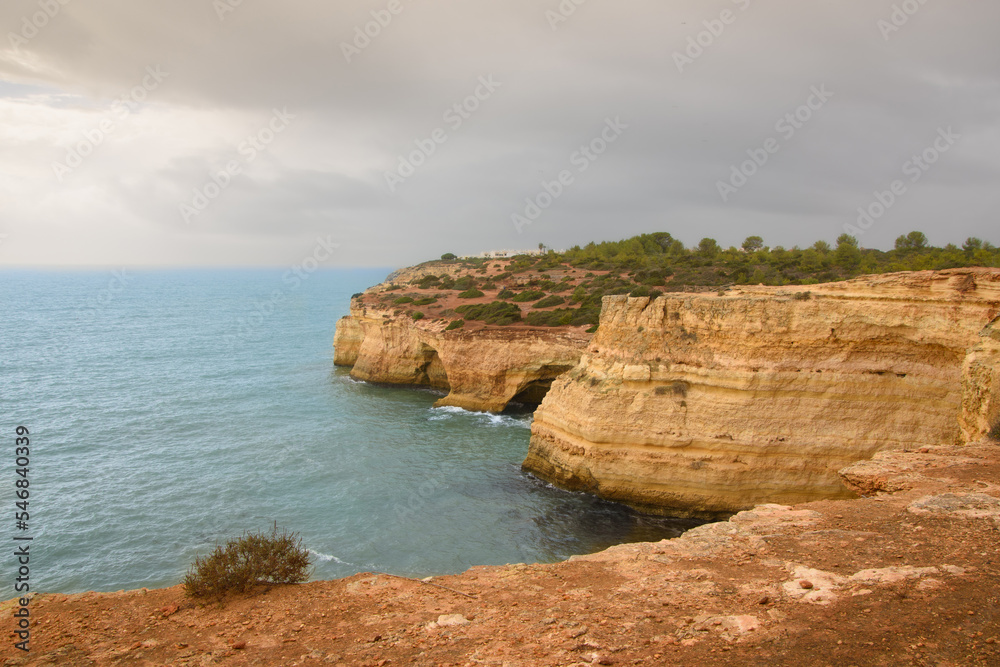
482, 370
705, 404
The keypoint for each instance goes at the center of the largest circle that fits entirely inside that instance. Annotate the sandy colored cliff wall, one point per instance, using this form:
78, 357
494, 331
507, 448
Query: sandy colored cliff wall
483, 370
706, 405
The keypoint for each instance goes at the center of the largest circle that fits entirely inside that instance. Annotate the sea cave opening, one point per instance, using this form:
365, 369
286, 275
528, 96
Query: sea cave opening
533, 393
431, 371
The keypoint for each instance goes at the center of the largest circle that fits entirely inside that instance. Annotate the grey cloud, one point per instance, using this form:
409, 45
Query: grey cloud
609, 59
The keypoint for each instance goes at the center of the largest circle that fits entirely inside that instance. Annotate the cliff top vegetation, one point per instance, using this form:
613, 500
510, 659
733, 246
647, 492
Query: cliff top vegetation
566, 288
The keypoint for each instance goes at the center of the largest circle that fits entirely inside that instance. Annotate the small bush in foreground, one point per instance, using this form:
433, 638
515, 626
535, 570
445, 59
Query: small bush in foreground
471, 294
277, 557
417, 315
455, 324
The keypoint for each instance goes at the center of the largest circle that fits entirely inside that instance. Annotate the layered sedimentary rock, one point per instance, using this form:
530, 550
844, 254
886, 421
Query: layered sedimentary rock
980, 416
483, 370
704, 405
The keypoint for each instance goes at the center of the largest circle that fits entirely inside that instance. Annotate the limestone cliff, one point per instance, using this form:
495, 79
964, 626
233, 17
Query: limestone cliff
483, 370
706, 405
980, 416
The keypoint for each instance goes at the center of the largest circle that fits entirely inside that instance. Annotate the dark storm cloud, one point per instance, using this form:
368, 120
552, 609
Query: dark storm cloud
692, 114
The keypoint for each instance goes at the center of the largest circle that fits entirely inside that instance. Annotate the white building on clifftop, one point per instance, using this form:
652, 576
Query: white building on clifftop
504, 254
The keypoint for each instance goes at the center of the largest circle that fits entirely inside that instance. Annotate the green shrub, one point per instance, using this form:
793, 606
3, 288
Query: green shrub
550, 301
455, 324
497, 312
465, 283
417, 315
640, 291
277, 557
403, 299
530, 295
448, 256
426, 301
427, 282
802, 296
471, 294
551, 318
561, 317
506, 294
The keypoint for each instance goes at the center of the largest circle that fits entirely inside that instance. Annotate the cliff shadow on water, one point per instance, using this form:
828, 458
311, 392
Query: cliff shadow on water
445, 489
706, 404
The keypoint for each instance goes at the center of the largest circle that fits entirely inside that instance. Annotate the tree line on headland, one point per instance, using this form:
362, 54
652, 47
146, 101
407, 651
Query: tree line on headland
659, 260
566, 288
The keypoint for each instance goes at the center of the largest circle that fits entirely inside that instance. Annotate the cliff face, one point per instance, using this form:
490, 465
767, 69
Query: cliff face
980, 416
706, 405
483, 370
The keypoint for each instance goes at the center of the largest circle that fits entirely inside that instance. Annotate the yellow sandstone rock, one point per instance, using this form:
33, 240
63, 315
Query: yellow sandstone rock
705, 405
483, 370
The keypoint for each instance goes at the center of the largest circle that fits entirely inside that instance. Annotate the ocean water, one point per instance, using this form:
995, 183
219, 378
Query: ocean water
171, 410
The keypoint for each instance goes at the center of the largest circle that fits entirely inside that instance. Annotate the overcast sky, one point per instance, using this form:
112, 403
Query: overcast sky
116, 116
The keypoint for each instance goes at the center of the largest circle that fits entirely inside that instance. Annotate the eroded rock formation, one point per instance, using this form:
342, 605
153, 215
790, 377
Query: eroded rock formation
483, 370
706, 405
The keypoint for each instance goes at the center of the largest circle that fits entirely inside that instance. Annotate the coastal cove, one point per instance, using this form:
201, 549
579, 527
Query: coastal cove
171, 410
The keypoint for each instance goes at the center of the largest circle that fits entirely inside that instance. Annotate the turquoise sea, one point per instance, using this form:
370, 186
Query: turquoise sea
170, 410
